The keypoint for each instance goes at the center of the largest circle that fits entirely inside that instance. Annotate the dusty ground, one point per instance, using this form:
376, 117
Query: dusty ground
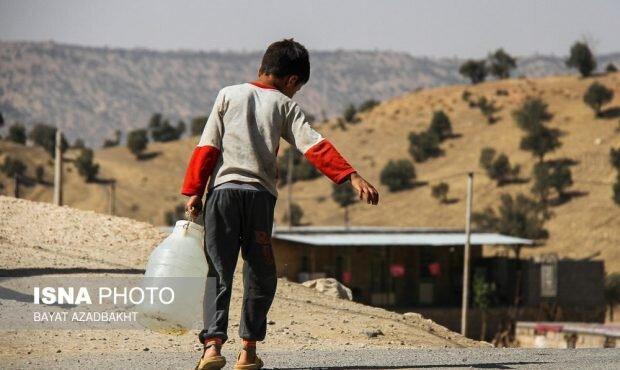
584, 226
39, 235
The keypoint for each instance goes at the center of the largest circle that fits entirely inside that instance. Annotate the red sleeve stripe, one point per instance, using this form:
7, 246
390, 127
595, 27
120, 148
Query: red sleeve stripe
325, 158
202, 163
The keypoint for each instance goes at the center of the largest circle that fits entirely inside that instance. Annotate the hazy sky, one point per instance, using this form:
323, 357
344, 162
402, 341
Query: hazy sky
465, 28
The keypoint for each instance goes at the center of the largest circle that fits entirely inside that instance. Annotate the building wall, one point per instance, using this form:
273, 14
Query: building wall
580, 291
288, 259
371, 279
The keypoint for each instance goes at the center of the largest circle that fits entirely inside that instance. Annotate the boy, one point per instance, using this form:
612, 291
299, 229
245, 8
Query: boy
237, 156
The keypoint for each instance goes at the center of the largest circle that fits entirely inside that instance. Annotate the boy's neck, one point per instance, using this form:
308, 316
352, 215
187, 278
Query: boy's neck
268, 80
281, 84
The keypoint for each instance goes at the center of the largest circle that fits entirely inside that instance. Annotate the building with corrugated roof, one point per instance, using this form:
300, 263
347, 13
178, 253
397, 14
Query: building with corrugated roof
421, 269
384, 266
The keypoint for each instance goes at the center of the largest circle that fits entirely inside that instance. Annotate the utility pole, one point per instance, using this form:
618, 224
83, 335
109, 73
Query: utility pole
112, 198
16, 187
58, 170
470, 187
289, 181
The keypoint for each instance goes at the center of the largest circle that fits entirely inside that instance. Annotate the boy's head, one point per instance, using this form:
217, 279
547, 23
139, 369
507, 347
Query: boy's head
287, 64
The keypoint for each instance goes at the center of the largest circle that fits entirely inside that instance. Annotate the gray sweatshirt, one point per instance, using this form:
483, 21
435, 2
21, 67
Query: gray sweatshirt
241, 138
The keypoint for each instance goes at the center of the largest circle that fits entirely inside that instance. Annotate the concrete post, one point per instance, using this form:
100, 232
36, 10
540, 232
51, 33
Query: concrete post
466, 253
112, 198
58, 170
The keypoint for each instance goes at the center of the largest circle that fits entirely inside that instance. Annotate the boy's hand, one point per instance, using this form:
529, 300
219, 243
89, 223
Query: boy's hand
364, 189
194, 205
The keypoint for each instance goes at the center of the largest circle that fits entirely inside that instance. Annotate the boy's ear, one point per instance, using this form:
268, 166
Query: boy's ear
292, 80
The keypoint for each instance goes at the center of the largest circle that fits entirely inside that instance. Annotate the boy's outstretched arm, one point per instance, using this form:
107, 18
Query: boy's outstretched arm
323, 155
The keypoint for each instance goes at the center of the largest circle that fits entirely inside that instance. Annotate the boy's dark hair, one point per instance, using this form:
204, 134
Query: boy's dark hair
286, 57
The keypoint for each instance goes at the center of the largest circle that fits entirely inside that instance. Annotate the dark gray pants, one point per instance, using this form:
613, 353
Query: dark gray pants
239, 219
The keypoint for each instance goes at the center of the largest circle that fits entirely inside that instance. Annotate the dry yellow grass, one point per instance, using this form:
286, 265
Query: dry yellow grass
583, 226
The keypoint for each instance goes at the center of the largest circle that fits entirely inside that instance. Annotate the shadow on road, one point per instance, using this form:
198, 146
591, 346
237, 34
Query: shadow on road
491, 365
36, 271
12, 295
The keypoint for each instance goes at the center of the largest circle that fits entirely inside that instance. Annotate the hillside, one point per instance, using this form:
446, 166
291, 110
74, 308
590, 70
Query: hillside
583, 226
90, 92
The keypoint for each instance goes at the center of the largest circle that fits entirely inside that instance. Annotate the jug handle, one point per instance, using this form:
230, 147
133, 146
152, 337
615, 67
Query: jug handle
188, 217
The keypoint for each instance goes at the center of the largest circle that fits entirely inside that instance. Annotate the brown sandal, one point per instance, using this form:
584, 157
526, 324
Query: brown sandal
258, 363
213, 362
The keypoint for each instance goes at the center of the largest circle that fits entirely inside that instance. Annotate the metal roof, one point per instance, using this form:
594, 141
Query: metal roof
377, 236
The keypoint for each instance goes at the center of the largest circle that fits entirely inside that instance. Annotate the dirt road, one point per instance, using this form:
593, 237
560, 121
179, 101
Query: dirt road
348, 359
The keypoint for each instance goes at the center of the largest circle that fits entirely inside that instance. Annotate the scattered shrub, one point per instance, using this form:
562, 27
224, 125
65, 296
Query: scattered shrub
498, 168
398, 175
197, 125
441, 125
344, 194
108, 143
488, 109
310, 118
349, 114
162, 131
17, 133
581, 57
297, 213
85, 165
137, 141
531, 117
79, 144
302, 170
341, 124
39, 173
521, 216
475, 70
45, 136
551, 175
540, 141
596, 96
532, 112
13, 166
368, 105
614, 158
501, 63
177, 214
465, 95
423, 146
440, 192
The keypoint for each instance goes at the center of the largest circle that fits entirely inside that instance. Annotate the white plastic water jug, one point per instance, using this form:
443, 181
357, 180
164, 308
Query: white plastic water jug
177, 268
